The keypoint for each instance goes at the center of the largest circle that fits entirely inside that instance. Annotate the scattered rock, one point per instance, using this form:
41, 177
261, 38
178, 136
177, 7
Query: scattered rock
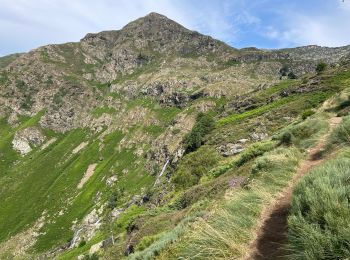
95, 248
116, 212
242, 141
111, 180
129, 250
236, 181
27, 139
258, 136
230, 149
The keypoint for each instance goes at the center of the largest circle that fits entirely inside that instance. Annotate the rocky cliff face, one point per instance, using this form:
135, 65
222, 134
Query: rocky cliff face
152, 56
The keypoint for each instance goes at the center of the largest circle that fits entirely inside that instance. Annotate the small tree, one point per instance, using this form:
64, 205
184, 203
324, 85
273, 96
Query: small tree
321, 67
291, 75
284, 70
204, 124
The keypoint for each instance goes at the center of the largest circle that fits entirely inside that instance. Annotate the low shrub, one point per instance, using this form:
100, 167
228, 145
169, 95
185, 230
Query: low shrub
193, 166
286, 138
165, 239
254, 151
146, 242
341, 135
320, 212
82, 243
303, 134
291, 75
204, 124
250, 153
321, 67
307, 113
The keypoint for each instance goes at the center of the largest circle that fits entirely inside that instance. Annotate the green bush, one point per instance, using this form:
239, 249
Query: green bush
82, 243
321, 67
94, 256
114, 198
145, 242
284, 70
303, 134
291, 75
286, 138
307, 113
254, 151
250, 153
193, 166
204, 124
320, 213
341, 135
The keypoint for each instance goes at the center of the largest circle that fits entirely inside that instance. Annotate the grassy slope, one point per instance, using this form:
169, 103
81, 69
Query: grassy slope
318, 228
225, 222
45, 174
51, 177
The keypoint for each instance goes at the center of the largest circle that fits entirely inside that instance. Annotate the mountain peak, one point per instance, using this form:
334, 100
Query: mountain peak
154, 22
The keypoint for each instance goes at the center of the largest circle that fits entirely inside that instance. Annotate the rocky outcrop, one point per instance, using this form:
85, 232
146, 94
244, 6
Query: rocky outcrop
25, 140
232, 148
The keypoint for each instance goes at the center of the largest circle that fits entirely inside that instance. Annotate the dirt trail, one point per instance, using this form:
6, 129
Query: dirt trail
272, 235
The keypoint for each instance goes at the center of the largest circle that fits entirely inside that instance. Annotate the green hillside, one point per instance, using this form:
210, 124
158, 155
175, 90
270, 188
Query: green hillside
174, 150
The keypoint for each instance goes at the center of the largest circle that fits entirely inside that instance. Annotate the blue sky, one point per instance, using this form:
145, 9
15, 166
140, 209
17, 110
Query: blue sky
27, 24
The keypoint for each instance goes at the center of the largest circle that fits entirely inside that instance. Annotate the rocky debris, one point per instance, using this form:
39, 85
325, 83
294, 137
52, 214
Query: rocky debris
95, 248
243, 141
111, 180
115, 213
258, 136
100, 245
17, 246
87, 229
27, 139
236, 181
129, 250
230, 149
13, 119
89, 172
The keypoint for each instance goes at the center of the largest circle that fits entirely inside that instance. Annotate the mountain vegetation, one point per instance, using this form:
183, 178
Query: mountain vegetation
158, 142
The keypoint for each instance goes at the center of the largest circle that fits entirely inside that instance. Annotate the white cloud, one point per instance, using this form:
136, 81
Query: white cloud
38, 22
28, 24
331, 28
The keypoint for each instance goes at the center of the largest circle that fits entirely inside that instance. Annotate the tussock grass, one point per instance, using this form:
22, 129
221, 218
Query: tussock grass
304, 134
341, 135
164, 239
319, 219
253, 151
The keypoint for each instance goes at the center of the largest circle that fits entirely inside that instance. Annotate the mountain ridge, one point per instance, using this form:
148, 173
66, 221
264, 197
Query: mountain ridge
153, 123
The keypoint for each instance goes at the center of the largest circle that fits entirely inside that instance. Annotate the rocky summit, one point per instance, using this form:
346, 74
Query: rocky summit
142, 142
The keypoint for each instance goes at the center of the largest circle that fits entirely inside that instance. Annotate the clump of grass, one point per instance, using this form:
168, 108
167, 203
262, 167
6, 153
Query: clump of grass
165, 239
307, 113
319, 218
303, 134
341, 135
99, 111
